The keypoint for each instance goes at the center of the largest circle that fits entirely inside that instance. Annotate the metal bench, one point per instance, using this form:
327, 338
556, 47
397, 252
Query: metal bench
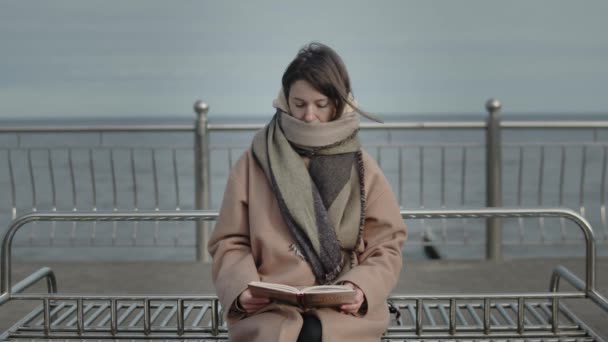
502, 316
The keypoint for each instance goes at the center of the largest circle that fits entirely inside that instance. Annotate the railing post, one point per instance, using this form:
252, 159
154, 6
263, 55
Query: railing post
201, 177
493, 180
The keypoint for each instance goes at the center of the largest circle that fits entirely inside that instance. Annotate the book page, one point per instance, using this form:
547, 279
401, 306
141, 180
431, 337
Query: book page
327, 289
273, 286
313, 296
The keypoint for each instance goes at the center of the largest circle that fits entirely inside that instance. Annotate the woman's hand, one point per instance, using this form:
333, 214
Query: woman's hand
251, 304
353, 307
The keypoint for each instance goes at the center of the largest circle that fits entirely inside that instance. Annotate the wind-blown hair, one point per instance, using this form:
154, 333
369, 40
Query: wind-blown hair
322, 67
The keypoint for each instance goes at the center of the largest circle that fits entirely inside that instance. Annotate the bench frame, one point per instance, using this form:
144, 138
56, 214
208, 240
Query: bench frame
212, 327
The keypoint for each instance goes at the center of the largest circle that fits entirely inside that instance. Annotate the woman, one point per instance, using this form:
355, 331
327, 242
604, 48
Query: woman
306, 206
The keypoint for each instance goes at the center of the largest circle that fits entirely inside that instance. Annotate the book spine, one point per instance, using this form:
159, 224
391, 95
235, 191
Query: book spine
300, 299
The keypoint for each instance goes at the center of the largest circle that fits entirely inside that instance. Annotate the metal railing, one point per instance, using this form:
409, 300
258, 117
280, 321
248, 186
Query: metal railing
105, 167
493, 315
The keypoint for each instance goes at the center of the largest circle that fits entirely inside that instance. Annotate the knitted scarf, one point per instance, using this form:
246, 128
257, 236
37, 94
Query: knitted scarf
322, 205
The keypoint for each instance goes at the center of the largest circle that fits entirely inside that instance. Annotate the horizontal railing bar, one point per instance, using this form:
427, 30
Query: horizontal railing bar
463, 329
163, 335
224, 147
390, 329
369, 146
442, 125
131, 335
210, 215
98, 148
96, 331
480, 335
367, 125
103, 216
169, 242
229, 146
208, 298
555, 144
104, 298
571, 241
98, 128
255, 126
554, 124
506, 296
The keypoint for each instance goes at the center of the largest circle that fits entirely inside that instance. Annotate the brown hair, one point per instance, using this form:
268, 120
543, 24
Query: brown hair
322, 67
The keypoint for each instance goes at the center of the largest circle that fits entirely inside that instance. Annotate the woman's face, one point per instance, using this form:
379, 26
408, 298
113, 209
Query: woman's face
309, 105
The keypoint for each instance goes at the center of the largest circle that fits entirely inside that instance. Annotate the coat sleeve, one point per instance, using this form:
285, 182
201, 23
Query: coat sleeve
384, 235
233, 265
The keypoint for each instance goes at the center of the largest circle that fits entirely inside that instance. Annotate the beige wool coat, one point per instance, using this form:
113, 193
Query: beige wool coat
251, 242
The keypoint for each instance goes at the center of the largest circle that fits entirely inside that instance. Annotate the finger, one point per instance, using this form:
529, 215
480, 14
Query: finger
245, 296
253, 308
254, 300
349, 312
255, 305
258, 300
353, 305
260, 305
350, 308
356, 301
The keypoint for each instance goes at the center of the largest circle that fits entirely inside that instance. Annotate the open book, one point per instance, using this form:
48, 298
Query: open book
309, 297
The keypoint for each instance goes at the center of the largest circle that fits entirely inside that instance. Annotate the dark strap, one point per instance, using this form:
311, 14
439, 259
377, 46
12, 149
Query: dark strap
312, 331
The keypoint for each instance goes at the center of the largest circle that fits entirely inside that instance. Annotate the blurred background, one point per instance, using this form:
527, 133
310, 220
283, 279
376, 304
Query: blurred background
153, 58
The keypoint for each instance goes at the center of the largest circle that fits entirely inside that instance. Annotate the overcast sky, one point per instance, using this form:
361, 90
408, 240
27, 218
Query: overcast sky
153, 58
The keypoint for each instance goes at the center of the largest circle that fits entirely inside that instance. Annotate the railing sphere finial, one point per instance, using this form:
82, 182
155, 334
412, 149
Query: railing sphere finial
201, 107
493, 105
